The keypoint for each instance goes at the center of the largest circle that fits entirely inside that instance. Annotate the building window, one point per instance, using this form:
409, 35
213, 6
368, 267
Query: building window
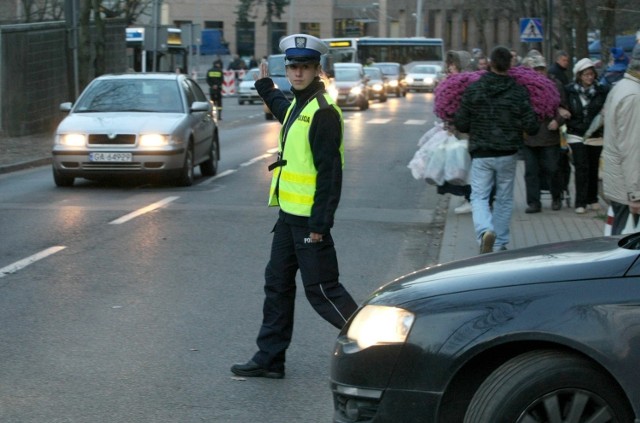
279, 30
245, 38
348, 28
311, 28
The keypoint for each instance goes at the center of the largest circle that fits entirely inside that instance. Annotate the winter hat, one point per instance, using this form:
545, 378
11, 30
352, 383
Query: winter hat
534, 61
583, 64
620, 60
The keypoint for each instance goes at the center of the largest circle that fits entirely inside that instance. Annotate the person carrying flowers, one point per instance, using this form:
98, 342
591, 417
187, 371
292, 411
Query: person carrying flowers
495, 111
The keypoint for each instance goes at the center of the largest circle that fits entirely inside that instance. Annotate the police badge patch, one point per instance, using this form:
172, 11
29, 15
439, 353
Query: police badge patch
301, 42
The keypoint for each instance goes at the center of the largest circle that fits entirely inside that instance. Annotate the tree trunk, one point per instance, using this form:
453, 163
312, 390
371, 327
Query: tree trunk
608, 33
582, 28
84, 44
99, 64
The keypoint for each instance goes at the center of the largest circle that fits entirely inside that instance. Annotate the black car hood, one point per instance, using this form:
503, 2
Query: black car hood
573, 260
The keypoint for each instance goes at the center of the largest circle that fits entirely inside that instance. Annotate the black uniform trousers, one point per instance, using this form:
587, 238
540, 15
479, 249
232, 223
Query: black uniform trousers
216, 97
292, 249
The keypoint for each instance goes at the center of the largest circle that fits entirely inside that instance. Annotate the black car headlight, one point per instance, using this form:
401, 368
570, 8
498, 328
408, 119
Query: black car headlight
379, 325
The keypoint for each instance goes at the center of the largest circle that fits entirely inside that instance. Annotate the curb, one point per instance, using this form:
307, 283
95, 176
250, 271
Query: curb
25, 165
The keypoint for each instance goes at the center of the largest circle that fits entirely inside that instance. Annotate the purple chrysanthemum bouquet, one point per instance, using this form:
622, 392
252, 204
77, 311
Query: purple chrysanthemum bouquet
544, 95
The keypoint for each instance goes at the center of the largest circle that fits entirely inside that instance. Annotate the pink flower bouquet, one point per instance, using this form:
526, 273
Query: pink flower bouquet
544, 95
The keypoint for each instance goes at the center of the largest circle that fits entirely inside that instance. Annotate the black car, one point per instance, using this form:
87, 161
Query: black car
549, 333
394, 72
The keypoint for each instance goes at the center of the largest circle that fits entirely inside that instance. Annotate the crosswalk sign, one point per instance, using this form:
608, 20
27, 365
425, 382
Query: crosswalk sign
531, 30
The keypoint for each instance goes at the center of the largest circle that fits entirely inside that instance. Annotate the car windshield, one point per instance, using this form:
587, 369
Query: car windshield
347, 75
425, 69
251, 75
131, 95
373, 73
388, 69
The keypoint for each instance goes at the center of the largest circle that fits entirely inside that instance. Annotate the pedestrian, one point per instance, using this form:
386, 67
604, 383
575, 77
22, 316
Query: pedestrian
560, 67
585, 98
253, 62
495, 111
621, 150
457, 61
306, 185
616, 70
215, 79
541, 152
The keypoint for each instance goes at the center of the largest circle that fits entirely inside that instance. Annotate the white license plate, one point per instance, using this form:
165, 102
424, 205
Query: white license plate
110, 157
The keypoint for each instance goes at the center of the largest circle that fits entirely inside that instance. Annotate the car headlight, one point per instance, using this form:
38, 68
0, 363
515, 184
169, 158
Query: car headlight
380, 325
153, 140
429, 80
72, 140
393, 83
377, 87
356, 90
409, 79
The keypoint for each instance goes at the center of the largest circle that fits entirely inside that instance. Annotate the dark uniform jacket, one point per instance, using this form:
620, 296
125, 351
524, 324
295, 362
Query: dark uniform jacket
325, 136
495, 111
546, 137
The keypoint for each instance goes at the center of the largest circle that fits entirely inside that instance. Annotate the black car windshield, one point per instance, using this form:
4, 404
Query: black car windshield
131, 95
373, 73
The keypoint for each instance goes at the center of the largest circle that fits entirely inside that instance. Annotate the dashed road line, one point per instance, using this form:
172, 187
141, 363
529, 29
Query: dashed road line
143, 210
21, 264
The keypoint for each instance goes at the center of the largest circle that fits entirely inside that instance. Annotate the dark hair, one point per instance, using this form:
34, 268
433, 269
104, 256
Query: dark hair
500, 59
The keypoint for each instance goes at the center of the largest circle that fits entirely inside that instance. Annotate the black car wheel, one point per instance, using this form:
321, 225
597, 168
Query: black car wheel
548, 386
61, 180
186, 173
210, 166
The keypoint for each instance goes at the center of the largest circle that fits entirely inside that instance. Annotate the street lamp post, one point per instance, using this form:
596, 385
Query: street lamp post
418, 18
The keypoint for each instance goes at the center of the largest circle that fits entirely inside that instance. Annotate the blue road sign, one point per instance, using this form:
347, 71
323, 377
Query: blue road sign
531, 30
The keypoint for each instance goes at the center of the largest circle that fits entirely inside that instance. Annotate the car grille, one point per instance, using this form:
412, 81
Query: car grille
112, 166
344, 90
112, 139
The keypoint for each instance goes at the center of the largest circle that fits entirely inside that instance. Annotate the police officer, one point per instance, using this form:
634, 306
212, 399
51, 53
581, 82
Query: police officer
215, 79
306, 185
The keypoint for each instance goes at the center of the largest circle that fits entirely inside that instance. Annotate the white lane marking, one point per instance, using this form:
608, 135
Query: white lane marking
218, 176
415, 122
143, 210
379, 121
21, 264
255, 159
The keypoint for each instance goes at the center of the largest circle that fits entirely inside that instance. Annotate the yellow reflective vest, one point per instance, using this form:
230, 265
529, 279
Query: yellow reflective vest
293, 184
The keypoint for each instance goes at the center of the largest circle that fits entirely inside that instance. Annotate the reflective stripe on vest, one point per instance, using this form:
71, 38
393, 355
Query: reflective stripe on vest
296, 180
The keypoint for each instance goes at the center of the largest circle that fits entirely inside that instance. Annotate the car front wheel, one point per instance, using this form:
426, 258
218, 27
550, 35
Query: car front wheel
548, 386
62, 180
210, 166
185, 179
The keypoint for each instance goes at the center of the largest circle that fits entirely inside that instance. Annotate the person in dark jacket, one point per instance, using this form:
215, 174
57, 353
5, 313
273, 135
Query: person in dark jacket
495, 111
542, 151
585, 98
560, 68
306, 185
215, 79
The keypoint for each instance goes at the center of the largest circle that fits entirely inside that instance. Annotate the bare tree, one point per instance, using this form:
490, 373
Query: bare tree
247, 10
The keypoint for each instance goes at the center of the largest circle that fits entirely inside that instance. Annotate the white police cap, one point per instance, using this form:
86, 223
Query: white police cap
302, 48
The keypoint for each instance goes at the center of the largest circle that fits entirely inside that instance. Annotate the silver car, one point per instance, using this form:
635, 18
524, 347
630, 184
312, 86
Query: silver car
137, 125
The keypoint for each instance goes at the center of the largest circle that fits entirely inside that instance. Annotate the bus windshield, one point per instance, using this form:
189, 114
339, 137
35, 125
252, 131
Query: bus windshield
401, 50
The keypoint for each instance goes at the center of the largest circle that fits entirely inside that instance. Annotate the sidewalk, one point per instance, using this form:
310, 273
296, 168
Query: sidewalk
458, 240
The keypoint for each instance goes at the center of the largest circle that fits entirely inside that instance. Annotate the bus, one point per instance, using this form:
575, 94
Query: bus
171, 53
400, 50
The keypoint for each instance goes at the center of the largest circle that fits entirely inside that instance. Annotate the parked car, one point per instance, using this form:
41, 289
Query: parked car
549, 333
247, 87
350, 84
377, 84
423, 77
134, 125
395, 75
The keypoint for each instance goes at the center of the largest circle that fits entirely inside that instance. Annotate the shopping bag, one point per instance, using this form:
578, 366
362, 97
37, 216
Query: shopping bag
438, 127
458, 161
632, 226
420, 161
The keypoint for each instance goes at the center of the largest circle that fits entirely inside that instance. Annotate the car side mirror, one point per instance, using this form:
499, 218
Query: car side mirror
200, 106
66, 107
